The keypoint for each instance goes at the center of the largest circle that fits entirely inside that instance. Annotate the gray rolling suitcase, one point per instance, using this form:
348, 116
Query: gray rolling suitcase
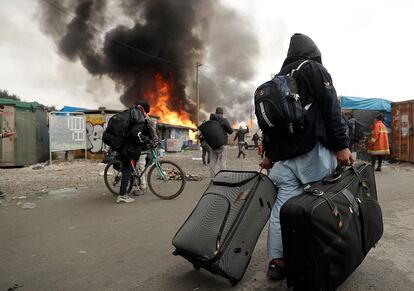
221, 232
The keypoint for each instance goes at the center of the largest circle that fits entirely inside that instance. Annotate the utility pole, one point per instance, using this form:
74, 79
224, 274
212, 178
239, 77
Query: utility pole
197, 99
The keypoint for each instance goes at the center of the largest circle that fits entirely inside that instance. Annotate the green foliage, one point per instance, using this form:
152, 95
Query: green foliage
6, 94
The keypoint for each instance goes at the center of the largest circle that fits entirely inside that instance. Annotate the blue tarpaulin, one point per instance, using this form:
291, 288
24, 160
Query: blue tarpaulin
348, 102
73, 109
374, 104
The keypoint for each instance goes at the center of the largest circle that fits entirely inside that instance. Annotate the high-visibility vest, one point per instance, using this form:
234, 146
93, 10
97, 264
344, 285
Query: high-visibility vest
378, 141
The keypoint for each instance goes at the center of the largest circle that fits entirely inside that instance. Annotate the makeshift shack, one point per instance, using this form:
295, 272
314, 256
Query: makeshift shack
176, 137
30, 145
364, 111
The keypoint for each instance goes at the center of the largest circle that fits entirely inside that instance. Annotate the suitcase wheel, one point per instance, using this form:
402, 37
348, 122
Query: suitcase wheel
196, 267
234, 282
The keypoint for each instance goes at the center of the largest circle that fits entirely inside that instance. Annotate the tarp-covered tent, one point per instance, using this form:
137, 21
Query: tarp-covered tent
371, 104
364, 111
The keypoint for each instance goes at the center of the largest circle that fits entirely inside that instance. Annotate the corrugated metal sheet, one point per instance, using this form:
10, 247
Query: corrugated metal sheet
402, 145
26, 137
42, 136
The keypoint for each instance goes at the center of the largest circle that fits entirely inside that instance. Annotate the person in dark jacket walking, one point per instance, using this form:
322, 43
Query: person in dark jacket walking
309, 154
219, 156
256, 139
241, 133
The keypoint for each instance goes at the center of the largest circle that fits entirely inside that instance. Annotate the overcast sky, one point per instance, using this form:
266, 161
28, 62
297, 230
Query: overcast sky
367, 47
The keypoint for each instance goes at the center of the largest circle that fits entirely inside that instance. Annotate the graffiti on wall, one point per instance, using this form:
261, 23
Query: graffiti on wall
95, 126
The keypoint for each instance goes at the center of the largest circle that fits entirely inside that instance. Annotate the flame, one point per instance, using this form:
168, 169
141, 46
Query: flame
160, 99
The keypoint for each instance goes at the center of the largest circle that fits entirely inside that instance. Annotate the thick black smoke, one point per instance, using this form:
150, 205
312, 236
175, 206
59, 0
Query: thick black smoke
109, 38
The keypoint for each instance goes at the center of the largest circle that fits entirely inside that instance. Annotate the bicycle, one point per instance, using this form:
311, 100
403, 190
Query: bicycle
165, 179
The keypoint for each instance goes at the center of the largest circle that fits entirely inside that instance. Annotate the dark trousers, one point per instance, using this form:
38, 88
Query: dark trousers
126, 172
241, 149
374, 158
206, 151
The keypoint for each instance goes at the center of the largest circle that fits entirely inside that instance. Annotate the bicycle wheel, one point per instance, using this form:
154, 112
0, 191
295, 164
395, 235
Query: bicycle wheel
113, 175
172, 185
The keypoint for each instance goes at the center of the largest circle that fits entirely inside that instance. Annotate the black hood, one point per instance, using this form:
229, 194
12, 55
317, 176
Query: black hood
302, 47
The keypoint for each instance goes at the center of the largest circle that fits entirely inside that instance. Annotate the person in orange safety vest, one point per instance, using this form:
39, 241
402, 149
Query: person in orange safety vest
378, 145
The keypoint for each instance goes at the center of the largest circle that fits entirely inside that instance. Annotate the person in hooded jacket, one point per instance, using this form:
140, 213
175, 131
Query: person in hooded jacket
219, 156
141, 134
309, 154
240, 136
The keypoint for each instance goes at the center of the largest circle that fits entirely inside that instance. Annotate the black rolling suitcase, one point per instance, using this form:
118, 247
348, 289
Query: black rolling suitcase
221, 232
328, 230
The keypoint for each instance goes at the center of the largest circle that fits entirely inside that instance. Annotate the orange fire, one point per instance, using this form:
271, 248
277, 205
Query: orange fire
160, 100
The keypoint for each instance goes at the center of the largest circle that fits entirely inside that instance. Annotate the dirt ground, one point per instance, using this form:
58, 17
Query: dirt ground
74, 236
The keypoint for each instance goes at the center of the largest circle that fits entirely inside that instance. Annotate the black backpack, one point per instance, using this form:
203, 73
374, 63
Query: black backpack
213, 133
115, 134
277, 104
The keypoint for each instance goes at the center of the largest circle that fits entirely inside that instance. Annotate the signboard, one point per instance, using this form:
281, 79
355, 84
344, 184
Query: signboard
67, 131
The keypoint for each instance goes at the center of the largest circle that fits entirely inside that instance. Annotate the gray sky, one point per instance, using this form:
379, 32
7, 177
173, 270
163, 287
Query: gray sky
367, 47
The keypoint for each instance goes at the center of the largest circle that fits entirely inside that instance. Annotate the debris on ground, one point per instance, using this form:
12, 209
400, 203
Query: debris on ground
29, 205
190, 177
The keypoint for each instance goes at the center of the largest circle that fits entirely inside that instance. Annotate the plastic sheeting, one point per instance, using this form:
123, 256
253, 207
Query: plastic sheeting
348, 102
371, 104
73, 109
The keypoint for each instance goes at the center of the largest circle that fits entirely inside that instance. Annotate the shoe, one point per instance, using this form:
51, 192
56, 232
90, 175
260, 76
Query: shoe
378, 169
124, 199
276, 270
2, 194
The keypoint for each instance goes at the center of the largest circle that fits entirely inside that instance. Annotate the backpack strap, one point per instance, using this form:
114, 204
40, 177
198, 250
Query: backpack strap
143, 111
298, 68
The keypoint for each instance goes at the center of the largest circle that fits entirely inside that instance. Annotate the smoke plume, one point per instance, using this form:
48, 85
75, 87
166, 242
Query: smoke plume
118, 39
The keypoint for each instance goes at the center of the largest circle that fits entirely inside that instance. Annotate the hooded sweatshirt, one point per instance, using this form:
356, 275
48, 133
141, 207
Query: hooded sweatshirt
323, 122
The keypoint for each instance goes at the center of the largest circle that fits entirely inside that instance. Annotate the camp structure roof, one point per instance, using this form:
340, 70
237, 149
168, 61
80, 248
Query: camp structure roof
86, 111
349, 102
166, 125
20, 104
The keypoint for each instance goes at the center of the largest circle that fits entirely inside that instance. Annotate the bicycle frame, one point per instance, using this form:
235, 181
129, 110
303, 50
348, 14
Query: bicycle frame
153, 160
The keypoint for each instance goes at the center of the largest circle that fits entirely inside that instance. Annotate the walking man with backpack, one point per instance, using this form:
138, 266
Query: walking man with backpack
306, 146
129, 133
219, 155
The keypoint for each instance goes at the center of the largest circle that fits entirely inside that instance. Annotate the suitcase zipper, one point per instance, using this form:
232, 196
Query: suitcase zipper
239, 217
216, 253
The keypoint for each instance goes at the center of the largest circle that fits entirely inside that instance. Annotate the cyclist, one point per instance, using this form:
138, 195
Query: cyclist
141, 134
